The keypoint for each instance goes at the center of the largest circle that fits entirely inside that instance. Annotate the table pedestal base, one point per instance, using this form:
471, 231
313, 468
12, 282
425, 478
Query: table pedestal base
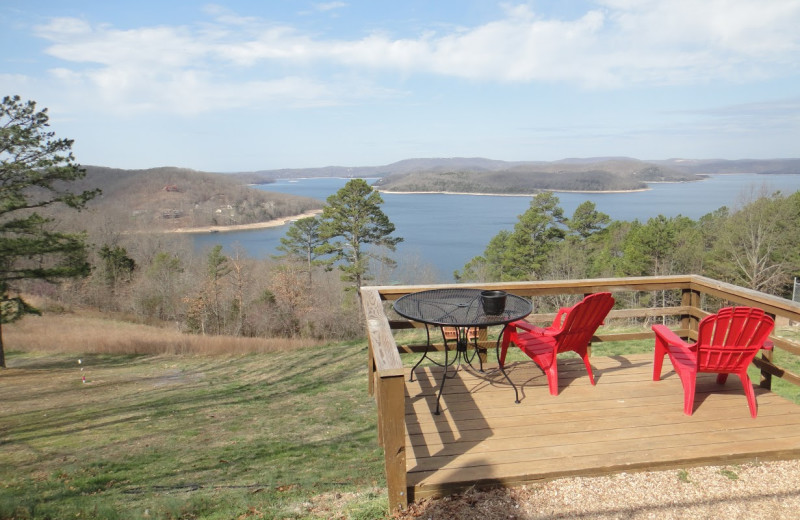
502, 368
462, 354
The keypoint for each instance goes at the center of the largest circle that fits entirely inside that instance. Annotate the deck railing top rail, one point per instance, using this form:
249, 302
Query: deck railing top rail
701, 284
386, 348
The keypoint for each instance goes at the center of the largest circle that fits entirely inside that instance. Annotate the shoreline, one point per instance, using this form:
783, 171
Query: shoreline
246, 227
505, 194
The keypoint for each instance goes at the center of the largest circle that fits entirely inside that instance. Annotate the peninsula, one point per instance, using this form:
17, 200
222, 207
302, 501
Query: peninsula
616, 175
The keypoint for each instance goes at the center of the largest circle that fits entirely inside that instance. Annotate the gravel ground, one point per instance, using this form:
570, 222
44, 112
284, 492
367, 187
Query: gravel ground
761, 490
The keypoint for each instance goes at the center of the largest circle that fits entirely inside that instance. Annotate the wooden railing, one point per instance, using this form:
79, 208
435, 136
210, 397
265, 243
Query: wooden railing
385, 368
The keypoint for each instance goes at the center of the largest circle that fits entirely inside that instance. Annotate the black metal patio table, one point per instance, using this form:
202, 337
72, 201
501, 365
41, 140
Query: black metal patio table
462, 310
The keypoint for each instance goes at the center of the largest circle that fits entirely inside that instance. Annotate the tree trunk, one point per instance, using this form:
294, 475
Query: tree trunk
2, 349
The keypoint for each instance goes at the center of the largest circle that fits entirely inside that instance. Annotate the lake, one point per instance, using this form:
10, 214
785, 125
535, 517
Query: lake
446, 231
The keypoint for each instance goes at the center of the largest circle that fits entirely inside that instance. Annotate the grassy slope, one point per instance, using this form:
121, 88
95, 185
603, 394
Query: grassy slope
189, 437
287, 434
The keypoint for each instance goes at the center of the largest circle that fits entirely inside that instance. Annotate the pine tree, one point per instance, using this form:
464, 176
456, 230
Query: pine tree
35, 172
535, 234
353, 215
303, 243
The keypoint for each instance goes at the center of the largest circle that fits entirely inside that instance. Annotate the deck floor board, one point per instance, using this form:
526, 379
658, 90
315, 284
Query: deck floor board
626, 422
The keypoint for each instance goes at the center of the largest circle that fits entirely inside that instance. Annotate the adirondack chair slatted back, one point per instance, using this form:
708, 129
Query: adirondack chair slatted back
731, 338
451, 333
582, 320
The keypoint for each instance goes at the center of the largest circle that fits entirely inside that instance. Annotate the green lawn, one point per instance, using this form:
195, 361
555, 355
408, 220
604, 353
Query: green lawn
283, 435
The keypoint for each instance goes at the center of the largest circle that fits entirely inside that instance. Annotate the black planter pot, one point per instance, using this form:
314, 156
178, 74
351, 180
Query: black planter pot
494, 302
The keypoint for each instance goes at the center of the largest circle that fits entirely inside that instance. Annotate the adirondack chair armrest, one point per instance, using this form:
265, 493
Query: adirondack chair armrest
768, 345
529, 327
562, 314
671, 339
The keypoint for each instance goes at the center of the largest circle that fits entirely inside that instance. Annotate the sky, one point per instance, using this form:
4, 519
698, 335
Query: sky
247, 85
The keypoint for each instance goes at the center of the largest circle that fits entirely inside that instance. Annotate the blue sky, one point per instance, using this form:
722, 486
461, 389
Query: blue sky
250, 85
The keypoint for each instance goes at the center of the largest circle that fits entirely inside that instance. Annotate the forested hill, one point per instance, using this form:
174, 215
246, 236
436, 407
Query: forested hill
168, 198
773, 166
524, 178
479, 175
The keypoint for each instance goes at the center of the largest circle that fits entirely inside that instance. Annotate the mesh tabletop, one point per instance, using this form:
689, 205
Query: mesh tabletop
458, 307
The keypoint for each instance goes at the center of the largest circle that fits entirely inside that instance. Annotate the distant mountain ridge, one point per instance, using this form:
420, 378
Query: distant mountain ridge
771, 166
481, 175
404, 166
789, 165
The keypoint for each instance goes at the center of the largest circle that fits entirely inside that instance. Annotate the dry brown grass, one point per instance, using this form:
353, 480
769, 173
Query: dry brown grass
85, 332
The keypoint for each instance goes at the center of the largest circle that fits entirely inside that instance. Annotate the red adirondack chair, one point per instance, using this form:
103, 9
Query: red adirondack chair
571, 330
726, 344
451, 333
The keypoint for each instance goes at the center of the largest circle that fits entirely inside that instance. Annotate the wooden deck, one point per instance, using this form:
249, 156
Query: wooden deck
627, 422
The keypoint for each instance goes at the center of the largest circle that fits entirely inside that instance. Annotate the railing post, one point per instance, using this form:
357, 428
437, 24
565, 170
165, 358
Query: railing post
388, 384
391, 423
765, 380
370, 368
690, 298
483, 337
589, 346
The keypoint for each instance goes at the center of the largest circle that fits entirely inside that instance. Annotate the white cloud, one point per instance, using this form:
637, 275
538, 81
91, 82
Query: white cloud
650, 42
752, 28
329, 6
243, 61
161, 47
